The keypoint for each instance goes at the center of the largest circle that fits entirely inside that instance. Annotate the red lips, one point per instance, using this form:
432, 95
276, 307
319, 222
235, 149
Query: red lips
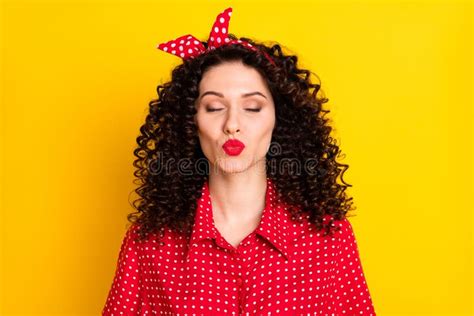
233, 147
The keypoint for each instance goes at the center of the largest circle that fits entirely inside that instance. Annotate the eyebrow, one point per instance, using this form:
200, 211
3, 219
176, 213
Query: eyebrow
244, 95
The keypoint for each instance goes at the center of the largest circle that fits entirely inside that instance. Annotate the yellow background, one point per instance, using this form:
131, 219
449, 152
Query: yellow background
76, 79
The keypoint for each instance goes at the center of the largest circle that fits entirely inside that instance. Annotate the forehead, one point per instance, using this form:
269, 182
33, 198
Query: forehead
231, 76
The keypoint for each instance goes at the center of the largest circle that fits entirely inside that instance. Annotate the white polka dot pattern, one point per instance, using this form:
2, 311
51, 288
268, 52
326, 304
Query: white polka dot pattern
281, 268
187, 46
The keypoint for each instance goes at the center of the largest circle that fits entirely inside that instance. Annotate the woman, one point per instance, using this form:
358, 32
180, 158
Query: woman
240, 210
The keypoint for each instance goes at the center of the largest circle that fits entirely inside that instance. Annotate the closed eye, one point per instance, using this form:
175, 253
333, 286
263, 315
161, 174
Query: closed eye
215, 110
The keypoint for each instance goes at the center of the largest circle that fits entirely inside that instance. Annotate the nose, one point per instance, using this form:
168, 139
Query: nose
231, 125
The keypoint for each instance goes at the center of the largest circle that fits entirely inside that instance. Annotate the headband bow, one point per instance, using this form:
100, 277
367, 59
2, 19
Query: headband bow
187, 46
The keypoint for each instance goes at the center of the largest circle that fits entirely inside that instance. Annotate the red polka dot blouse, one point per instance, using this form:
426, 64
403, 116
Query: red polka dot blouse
282, 268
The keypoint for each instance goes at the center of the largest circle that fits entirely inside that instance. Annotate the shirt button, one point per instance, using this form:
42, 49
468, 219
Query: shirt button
239, 281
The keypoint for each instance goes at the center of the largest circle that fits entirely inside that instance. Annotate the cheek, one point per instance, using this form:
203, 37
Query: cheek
263, 131
266, 126
206, 132
200, 124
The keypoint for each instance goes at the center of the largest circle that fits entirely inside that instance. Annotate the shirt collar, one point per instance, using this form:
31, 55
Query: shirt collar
275, 225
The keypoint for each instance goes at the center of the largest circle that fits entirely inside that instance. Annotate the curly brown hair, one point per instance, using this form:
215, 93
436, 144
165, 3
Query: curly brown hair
169, 139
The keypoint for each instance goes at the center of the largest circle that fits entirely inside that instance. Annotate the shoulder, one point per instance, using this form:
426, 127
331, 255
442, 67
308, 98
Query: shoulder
345, 237
340, 227
132, 233
341, 230
344, 227
151, 240
130, 241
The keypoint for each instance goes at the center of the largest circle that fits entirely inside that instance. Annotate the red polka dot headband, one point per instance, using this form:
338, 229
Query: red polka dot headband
187, 46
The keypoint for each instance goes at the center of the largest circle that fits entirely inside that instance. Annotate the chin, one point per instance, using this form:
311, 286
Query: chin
233, 165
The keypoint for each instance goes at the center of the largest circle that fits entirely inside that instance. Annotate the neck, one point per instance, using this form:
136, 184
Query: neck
238, 197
